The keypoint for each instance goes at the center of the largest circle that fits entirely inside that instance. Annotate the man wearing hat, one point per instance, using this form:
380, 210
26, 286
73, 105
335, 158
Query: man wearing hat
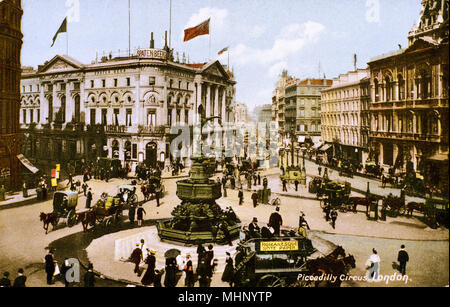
228, 273
5, 282
20, 280
275, 221
254, 228
136, 258
49, 266
89, 199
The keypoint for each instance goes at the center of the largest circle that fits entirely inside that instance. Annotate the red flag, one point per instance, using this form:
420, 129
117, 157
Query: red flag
201, 29
223, 50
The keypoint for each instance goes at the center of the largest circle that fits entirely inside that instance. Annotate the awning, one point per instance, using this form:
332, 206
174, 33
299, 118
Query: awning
301, 139
439, 157
325, 147
27, 163
316, 146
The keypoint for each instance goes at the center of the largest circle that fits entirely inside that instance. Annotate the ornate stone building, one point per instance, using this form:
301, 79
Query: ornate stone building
10, 50
409, 90
344, 113
303, 108
120, 107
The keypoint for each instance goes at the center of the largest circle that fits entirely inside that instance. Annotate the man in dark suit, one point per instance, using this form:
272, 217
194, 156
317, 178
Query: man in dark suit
254, 228
5, 282
402, 258
136, 258
89, 277
49, 266
241, 197
255, 199
20, 280
275, 221
89, 199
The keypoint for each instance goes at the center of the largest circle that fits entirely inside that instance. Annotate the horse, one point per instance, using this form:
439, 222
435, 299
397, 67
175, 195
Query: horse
360, 201
87, 218
145, 189
411, 206
335, 267
50, 218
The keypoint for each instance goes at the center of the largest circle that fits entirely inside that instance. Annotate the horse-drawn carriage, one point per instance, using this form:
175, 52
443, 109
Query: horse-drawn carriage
271, 262
373, 169
315, 186
346, 169
336, 195
64, 207
154, 185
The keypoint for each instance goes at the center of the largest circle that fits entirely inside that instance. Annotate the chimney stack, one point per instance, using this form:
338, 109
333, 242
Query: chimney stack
152, 42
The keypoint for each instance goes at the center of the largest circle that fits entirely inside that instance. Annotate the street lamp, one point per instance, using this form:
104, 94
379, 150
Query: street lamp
297, 149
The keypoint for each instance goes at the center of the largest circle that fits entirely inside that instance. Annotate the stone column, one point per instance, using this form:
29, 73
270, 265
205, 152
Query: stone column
216, 100
56, 102
208, 100
224, 108
70, 103
43, 106
83, 109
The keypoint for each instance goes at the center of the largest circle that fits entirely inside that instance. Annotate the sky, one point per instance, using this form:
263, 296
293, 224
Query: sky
309, 38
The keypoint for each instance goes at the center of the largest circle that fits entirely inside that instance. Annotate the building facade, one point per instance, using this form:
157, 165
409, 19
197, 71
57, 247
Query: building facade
241, 114
345, 115
10, 50
278, 104
303, 108
120, 108
409, 92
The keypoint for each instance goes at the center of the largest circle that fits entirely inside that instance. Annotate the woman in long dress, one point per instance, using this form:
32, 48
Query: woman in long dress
228, 273
373, 267
149, 276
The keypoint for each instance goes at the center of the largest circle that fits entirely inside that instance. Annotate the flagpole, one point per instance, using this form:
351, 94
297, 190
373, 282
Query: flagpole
129, 27
170, 25
67, 37
210, 41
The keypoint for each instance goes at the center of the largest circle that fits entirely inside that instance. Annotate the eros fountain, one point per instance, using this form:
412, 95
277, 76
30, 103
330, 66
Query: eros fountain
199, 219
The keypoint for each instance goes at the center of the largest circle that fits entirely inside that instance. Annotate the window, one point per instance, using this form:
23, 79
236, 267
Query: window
152, 81
92, 83
24, 119
115, 82
31, 88
92, 118
116, 117
38, 117
186, 116
178, 116
128, 119
38, 88
187, 85
134, 151
63, 109
179, 84
169, 116
76, 86
151, 118
31, 116
104, 116
63, 86
128, 82
170, 83
103, 83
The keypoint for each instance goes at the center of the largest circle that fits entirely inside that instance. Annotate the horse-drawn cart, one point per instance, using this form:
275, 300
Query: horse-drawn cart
65, 205
274, 262
108, 209
336, 195
127, 195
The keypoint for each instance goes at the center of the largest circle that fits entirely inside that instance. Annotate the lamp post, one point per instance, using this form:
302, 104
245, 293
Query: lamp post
297, 148
292, 146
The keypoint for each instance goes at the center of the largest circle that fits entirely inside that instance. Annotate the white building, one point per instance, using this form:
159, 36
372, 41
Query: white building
345, 115
120, 107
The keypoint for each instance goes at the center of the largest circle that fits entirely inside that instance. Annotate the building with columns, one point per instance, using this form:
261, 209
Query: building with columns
10, 49
409, 93
345, 116
121, 107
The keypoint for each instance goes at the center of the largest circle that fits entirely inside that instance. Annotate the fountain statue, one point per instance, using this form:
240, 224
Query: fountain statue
199, 219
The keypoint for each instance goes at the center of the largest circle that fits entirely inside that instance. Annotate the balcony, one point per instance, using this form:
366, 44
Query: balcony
153, 130
409, 136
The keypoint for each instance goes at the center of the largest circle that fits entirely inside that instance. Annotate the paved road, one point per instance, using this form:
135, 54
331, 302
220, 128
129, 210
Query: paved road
23, 241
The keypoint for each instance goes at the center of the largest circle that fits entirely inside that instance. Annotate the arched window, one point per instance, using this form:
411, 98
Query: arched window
388, 86
377, 90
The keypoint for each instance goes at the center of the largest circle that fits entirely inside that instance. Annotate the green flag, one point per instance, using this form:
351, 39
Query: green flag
62, 29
